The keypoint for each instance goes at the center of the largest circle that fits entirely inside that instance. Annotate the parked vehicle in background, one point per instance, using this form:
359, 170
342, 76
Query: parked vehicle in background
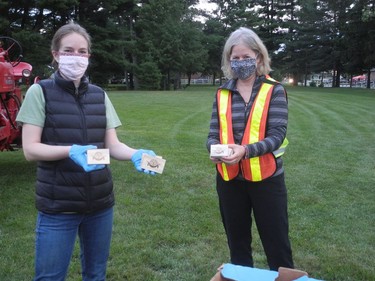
12, 73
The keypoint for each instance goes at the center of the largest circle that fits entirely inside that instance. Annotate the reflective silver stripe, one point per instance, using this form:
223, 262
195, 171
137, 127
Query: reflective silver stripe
278, 152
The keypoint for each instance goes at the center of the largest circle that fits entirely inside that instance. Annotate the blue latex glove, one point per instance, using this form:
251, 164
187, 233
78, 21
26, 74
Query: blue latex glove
78, 153
305, 278
137, 158
244, 273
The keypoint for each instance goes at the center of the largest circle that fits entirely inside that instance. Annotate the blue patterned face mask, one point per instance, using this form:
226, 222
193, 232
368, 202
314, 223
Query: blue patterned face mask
243, 69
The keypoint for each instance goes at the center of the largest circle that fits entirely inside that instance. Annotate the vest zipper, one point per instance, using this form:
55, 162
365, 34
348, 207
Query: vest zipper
88, 177
78, 98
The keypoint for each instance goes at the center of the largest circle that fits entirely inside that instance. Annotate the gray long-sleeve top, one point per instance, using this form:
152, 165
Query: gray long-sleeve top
276, 123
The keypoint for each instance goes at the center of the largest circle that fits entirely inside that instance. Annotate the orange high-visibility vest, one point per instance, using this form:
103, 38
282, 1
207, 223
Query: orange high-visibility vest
256, 168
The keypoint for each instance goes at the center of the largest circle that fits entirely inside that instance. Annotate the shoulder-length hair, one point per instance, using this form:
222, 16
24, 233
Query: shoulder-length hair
250, 39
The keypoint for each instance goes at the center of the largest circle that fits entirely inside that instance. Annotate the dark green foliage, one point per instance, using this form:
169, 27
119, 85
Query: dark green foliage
302, 37
149, 76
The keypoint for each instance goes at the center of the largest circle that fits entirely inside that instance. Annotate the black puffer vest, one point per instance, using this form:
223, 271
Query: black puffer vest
73, 116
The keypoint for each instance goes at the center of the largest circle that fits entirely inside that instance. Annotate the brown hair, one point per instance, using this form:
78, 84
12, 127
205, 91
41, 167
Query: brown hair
65, 30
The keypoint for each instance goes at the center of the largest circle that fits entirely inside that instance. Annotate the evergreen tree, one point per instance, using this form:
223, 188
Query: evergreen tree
144, 41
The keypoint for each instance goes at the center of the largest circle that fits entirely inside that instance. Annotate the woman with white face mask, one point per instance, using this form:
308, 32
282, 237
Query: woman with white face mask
250, 116
63, 118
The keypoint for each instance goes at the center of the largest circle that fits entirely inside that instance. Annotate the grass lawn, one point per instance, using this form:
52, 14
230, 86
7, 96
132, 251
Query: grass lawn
167, 227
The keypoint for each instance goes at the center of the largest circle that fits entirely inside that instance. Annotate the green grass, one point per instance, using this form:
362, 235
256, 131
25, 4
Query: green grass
167, 227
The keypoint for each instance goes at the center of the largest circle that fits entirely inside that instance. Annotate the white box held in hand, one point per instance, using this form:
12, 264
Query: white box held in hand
220, 150
98, 156
153, 163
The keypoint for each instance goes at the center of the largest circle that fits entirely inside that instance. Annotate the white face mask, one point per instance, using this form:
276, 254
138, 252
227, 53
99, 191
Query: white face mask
73, 67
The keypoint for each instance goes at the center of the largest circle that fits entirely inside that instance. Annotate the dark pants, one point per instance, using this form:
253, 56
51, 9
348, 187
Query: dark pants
268, 202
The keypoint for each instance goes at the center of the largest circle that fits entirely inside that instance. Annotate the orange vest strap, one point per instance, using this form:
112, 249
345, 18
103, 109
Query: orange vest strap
256, 168
226, 130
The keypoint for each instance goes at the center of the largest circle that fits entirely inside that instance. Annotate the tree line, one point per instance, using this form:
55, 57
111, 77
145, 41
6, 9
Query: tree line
153, 43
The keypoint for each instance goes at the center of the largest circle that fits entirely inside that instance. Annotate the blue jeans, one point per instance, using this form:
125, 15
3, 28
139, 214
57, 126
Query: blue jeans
55, 239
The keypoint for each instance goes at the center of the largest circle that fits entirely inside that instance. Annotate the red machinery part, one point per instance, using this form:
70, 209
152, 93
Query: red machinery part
12, 73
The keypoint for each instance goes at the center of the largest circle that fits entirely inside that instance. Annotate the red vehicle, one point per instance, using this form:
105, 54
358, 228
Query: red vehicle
12, 72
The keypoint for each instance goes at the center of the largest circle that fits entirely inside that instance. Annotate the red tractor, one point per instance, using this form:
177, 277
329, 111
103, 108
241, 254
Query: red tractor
12, 73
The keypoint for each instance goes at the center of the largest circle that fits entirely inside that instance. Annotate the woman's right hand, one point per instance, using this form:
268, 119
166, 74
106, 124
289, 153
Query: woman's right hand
216, 160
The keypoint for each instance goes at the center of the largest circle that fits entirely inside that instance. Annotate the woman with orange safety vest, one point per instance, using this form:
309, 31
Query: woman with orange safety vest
250, 116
